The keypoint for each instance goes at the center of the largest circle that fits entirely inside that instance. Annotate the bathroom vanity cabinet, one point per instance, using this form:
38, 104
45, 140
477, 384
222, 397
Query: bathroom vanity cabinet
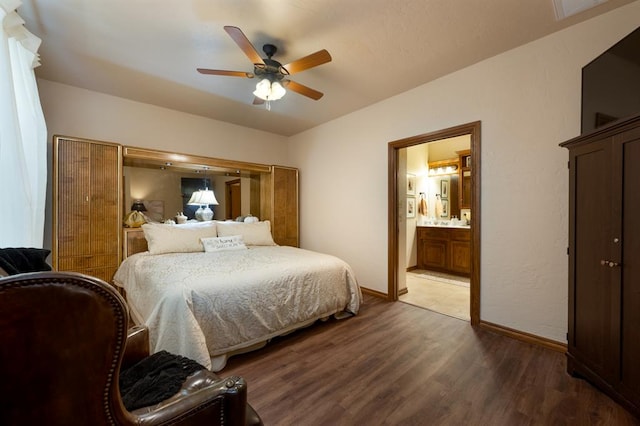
444, 249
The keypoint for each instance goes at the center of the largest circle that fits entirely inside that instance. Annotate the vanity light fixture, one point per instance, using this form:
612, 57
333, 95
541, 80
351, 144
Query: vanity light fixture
446, 170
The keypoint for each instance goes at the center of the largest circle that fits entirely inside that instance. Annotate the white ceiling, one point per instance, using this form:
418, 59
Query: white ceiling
148, 50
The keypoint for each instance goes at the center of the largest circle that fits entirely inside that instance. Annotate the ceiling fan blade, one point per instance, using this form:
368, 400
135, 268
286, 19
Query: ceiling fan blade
226, 73
302, 89
243, 42
258, 101
310, 61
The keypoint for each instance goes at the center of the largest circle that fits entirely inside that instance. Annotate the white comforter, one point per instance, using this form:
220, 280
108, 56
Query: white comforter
209, 304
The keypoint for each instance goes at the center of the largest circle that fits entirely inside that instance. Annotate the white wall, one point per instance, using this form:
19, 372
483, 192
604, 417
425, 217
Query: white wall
71, 111
528, 100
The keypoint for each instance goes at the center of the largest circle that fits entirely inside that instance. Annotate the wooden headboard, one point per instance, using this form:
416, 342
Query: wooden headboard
134, 242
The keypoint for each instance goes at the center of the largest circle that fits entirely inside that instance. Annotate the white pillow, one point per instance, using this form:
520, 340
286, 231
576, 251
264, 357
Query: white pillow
177, 238
196, 224
253, 234
223, 243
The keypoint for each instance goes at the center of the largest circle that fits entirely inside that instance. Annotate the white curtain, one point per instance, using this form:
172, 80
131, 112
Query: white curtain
23, 135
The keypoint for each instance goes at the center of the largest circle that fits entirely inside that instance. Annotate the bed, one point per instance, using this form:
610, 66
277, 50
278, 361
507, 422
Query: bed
211, 303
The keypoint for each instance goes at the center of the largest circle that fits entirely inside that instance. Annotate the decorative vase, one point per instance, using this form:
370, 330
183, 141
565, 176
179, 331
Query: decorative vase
198, 214
207, 213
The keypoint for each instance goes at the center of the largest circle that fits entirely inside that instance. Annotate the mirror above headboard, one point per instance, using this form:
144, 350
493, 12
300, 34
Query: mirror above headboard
141, 157
161, 179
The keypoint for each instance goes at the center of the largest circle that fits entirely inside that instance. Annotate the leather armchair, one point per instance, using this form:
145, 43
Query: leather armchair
64, 339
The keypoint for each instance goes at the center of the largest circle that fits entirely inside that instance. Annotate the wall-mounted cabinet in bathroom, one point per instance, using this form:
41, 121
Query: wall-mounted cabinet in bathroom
464, 179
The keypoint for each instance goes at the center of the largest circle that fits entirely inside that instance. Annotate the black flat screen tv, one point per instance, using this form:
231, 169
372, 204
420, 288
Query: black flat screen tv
611, 84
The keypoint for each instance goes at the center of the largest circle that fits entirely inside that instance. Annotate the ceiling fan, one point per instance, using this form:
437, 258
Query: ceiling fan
272, 74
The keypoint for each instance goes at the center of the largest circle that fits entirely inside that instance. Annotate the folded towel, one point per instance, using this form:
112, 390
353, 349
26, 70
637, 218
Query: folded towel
20, 260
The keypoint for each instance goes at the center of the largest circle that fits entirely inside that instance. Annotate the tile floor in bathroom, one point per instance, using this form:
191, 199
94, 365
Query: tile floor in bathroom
442, 293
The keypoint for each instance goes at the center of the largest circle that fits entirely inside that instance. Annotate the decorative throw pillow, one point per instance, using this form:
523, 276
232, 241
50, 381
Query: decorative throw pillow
253, 234
177, 238
224, 243
196, 224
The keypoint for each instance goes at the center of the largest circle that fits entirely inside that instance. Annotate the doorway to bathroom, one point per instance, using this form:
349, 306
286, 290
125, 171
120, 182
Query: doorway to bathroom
434, 221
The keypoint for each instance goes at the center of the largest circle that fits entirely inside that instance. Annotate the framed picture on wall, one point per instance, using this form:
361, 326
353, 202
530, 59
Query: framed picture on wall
445, 208
444, 189
411, 184
411, 207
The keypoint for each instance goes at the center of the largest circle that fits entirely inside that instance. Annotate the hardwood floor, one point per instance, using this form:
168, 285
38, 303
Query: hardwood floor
396, 364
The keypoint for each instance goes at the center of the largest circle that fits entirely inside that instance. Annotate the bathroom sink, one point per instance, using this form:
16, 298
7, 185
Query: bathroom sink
445, 224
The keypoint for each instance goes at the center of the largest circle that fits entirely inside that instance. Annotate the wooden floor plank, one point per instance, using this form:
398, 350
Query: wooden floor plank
397, 364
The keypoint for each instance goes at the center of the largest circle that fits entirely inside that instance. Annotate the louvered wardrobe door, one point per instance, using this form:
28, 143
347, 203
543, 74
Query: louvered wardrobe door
87, 206
284, 204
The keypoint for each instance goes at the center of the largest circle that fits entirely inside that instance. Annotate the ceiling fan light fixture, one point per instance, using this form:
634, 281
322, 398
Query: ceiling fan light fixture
277, 91
272, 74
269, 91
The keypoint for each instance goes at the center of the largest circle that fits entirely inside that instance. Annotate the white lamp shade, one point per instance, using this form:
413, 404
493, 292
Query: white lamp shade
277, 91
193, 199
262, 89
203, 197
208, 197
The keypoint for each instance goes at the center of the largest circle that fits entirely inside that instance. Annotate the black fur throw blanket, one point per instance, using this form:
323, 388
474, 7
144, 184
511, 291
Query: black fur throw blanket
19, 260
154, 379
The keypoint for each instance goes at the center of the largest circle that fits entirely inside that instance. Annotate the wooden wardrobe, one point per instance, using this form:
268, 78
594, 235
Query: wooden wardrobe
604, 260
279, 201
87, 187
